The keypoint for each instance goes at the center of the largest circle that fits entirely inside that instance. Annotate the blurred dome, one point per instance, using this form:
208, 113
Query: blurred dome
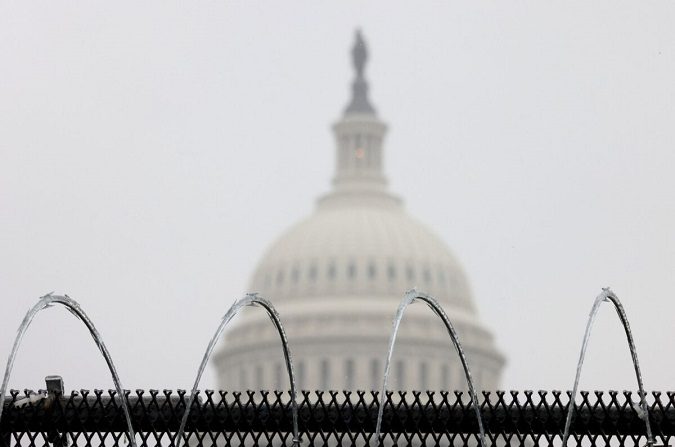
349, 248
338, 277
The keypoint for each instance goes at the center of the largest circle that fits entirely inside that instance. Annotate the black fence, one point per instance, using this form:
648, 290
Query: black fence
219, 418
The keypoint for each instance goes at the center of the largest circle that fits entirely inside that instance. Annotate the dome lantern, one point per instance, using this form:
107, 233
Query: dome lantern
359, 138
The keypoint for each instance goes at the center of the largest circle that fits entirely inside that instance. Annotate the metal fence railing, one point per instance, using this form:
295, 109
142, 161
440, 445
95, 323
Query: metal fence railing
333, 418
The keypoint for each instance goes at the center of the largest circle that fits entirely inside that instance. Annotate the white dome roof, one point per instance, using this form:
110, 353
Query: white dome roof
354, 247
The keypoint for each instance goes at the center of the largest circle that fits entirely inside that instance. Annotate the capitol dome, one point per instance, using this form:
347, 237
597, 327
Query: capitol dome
338, 276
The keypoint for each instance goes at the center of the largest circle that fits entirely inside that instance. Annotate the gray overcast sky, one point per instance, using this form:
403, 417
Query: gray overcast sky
149, 152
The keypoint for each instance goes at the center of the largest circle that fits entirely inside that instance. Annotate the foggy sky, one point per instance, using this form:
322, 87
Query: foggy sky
149, 153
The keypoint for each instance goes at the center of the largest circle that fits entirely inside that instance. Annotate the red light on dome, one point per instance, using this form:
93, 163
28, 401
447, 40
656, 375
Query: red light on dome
360, 152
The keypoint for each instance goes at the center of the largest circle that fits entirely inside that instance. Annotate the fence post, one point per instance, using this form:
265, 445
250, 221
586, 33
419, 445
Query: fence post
54, 393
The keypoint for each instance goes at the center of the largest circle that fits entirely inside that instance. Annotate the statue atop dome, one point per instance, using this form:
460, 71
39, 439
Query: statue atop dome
359, 102
359, 54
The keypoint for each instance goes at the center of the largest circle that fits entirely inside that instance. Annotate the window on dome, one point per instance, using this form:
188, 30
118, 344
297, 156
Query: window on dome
331, 271
358, 147
325, 374
351, 271
427, 276
268, 280
372, 271
312, 272
295, 275
349, 374
280, 277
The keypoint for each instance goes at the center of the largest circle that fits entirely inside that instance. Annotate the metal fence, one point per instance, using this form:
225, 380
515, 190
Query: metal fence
333, 418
